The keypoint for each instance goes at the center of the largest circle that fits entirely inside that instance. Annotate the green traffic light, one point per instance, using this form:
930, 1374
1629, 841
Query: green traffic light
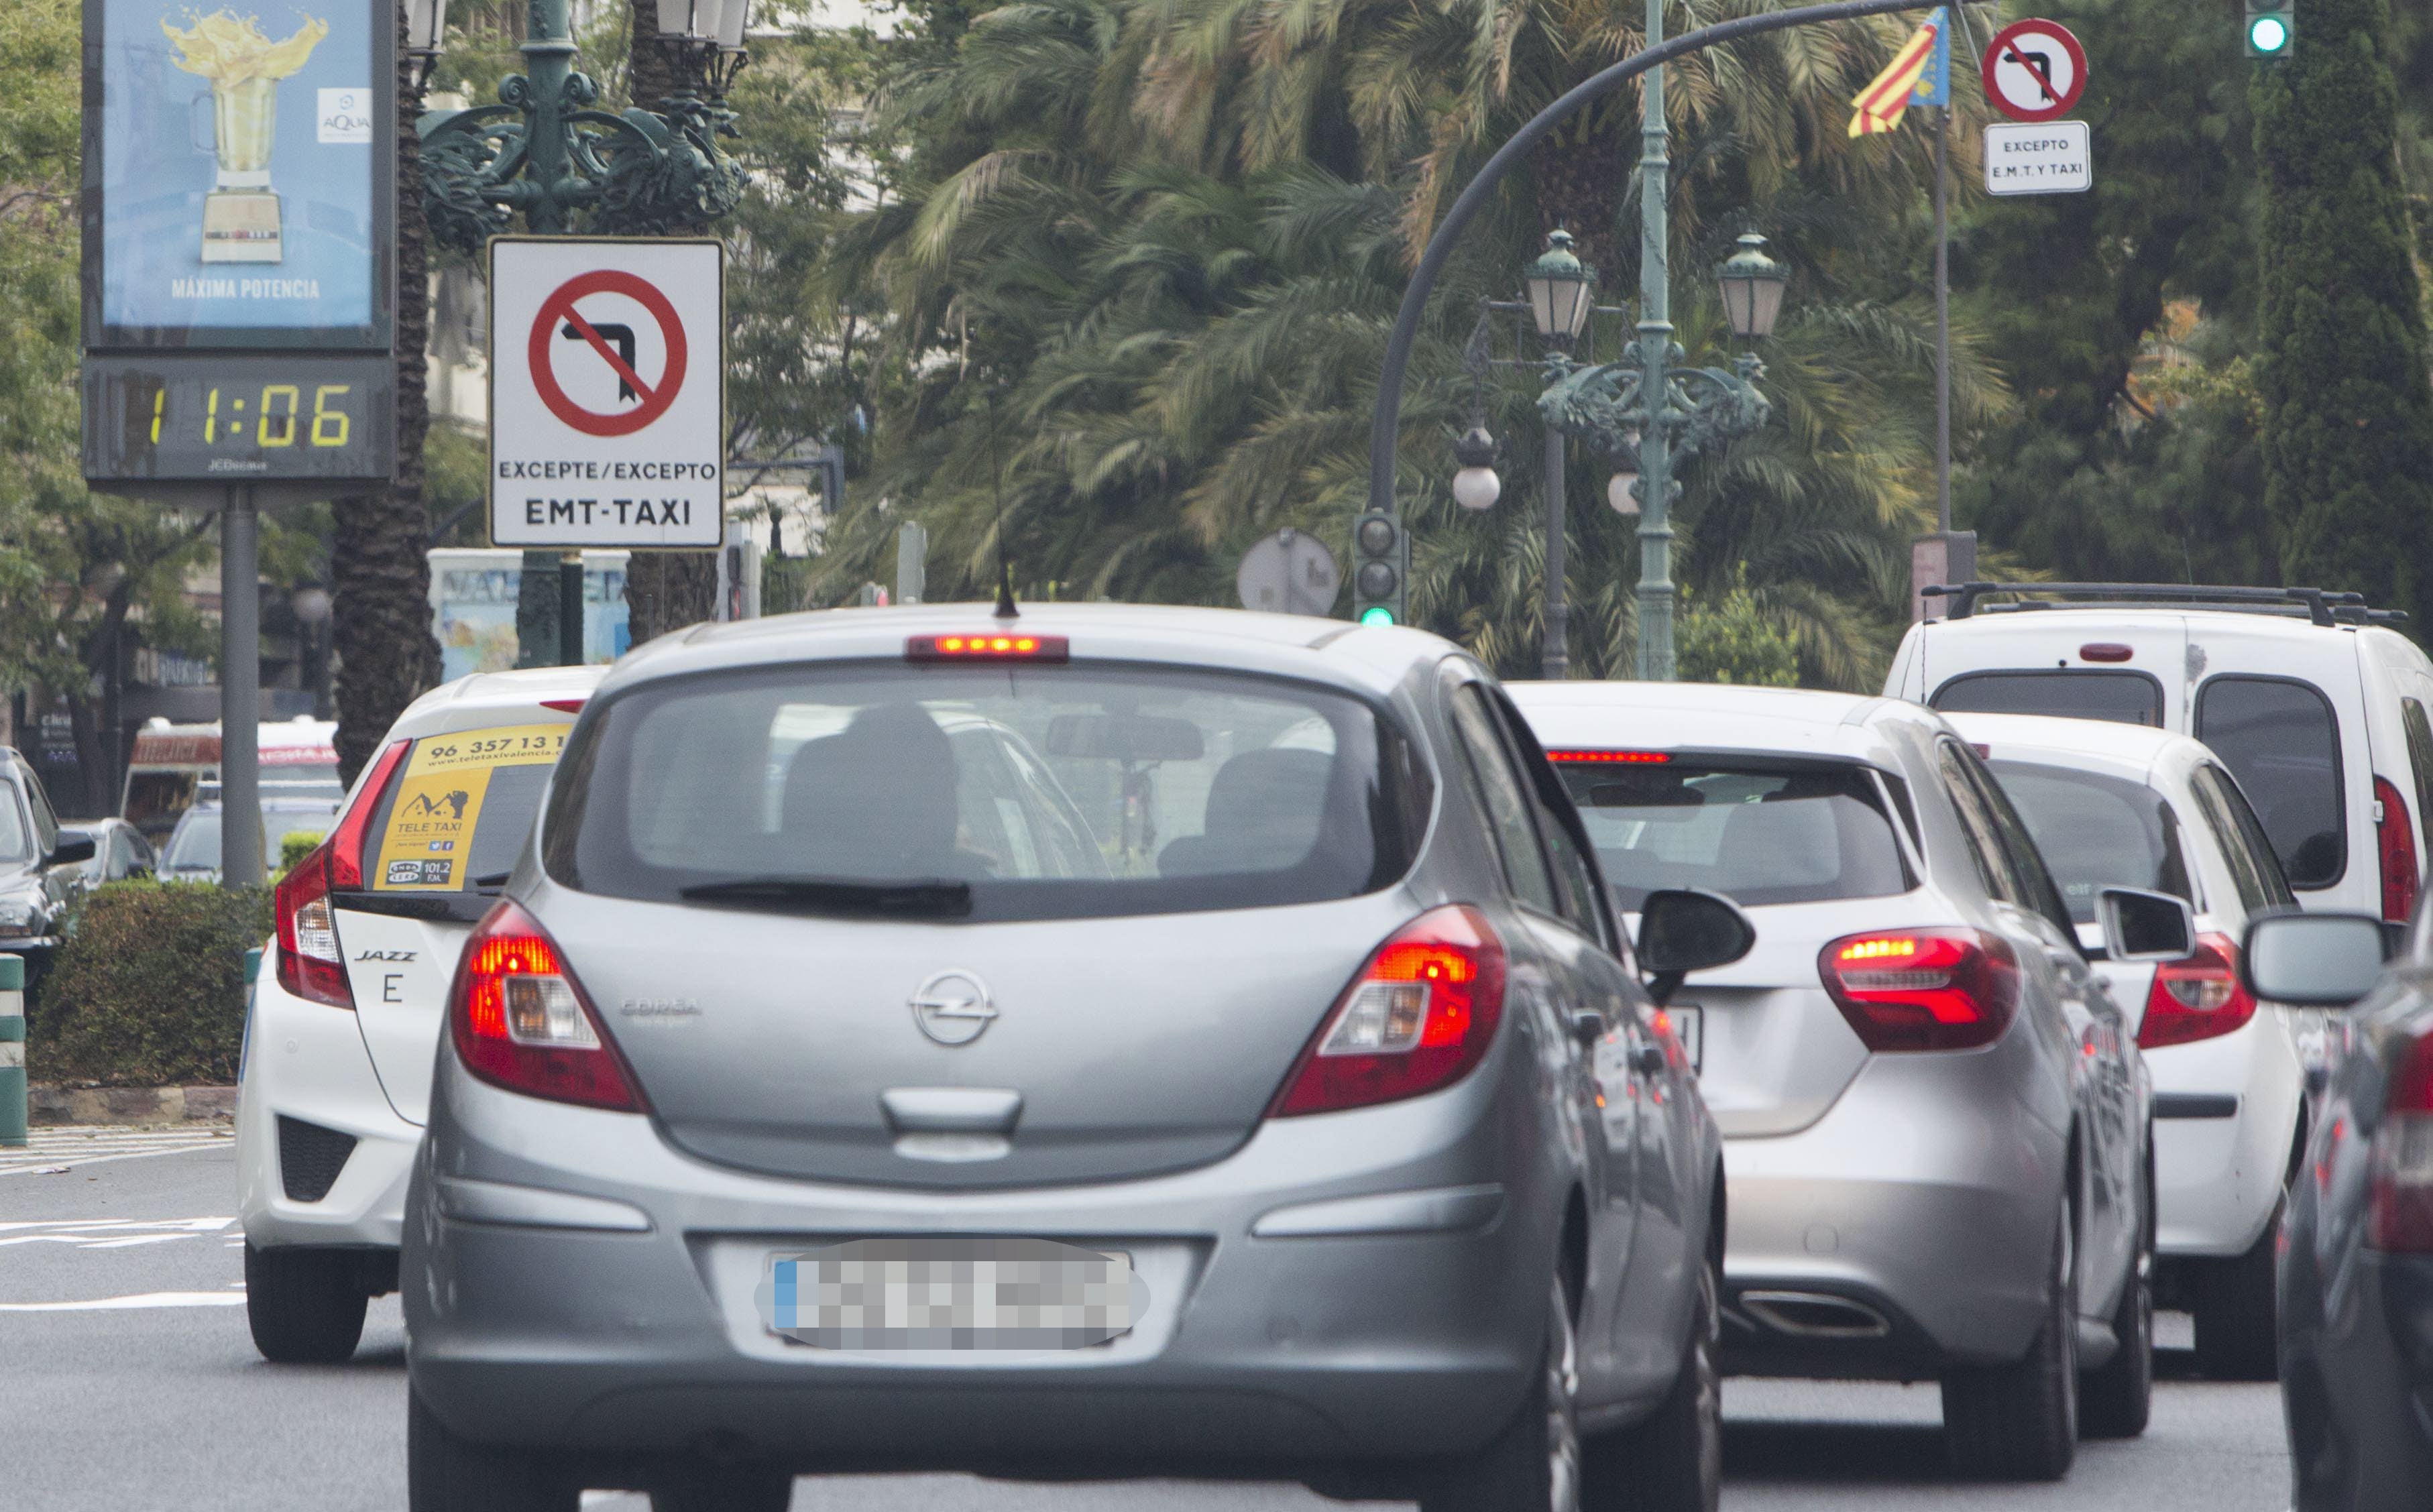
1376, 613
2267, 34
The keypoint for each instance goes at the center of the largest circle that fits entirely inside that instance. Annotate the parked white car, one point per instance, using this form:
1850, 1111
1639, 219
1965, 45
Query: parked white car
1934, 1115
347, 1011
2113, 805
2315, 704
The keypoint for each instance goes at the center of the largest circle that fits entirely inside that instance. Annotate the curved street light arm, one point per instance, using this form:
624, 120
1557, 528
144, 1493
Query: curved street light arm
1386, 425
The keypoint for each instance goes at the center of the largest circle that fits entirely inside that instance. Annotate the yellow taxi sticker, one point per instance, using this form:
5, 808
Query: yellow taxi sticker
438, 802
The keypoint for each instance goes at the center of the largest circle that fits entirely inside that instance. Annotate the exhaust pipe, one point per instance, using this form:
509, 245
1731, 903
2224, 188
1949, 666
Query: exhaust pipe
1815, 1315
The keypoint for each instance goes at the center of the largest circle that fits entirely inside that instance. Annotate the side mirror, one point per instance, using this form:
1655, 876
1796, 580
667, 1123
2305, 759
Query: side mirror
2140, 925
72, 852
2313, 959
1682, 930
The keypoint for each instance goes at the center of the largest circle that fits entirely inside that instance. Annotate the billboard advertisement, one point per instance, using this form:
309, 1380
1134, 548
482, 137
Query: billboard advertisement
237, 174
473, 592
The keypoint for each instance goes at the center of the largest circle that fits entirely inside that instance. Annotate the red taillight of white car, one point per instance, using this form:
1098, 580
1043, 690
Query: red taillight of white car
2396, 843
521, 1022
311, 965
1938, 988
2399, 1216
1419, 1017
2199, 997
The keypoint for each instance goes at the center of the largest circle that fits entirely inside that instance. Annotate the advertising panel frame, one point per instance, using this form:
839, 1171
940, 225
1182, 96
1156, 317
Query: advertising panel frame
375, 335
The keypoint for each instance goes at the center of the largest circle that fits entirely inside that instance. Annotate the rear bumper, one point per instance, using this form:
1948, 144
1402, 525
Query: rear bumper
307, 1061
1409, 1340
1923, 1202
2226, 1115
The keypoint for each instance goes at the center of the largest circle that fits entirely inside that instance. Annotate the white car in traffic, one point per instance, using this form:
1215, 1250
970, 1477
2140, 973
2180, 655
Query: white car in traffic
2114, 804
347, 1007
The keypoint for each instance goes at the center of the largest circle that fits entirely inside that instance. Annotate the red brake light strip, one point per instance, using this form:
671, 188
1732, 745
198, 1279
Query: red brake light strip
994, 645
1628, 758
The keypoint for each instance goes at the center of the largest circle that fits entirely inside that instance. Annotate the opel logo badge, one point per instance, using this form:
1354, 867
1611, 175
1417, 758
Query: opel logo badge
953, 1007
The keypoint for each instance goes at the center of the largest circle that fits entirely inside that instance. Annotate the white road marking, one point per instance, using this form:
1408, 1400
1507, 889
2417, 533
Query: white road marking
51, 1150
108, 1233
112, 1305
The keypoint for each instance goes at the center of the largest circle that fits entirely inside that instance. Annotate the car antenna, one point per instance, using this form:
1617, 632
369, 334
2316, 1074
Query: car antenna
1005, 609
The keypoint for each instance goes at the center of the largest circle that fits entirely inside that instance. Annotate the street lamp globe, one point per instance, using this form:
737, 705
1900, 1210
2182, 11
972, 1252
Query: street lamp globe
1561, 289
1621, 493
682, 21
311, 604
1753, 284
1476, 486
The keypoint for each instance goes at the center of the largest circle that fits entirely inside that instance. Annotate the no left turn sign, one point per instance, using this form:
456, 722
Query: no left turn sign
608, 414
2034, 70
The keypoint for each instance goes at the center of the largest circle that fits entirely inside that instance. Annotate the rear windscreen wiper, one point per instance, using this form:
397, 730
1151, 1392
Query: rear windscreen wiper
929, 898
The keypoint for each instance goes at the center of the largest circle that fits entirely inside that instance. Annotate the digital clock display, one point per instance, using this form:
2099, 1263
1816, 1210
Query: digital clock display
207, 417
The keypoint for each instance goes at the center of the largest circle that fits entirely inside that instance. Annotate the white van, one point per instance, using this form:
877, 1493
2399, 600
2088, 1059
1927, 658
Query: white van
173, 765
2315, 704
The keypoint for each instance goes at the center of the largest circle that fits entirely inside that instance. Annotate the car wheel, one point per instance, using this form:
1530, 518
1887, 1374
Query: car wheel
737, 1488
2238, 1319
306, 1306
445, 1473
1535, 1462
2020, 1421
2116, 1401
1673, 1462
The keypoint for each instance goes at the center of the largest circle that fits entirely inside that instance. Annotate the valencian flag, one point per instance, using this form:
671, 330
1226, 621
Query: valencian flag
1921, 73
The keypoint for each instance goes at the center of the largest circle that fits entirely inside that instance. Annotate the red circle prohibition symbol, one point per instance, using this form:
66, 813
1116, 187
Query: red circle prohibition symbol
559, 310
2056, 103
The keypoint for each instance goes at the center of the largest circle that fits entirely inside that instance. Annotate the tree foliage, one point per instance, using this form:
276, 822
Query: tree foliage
2348, 433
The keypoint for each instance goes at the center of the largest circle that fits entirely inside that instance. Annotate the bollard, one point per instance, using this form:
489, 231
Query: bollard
12, 1051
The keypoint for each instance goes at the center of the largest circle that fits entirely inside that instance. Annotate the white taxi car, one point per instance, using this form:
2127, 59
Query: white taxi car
346, 1012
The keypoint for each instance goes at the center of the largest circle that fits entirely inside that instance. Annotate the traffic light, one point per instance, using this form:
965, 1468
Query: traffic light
1381, 568
2271, 27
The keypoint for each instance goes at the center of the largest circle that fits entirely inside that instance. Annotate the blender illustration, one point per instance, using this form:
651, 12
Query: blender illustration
241, 214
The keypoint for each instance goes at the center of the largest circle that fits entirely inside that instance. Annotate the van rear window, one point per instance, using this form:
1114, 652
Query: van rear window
2122, 697
2280, 739
984, 794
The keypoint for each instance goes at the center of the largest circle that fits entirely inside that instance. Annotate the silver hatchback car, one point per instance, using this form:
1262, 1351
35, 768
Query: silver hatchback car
1107, 1041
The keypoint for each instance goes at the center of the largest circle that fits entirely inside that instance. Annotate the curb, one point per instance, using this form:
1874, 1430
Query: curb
50, 1105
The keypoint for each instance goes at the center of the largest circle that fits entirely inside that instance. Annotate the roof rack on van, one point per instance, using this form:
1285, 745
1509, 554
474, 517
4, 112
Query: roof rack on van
2321, 605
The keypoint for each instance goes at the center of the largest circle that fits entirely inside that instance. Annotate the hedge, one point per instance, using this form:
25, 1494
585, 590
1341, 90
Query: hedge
148, 989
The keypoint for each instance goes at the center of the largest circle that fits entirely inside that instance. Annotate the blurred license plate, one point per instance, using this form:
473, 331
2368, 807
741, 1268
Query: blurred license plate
952, 1294
1689, 1028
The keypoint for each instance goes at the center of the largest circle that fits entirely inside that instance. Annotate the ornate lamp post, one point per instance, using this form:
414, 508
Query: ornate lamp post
1644, 410
542, 151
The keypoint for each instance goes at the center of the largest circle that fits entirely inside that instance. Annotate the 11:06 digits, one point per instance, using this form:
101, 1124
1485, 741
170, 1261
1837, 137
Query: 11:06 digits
273, 426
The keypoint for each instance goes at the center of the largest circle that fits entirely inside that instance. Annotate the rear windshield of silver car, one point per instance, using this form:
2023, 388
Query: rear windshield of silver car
985, 793
2097, 832
1758, 831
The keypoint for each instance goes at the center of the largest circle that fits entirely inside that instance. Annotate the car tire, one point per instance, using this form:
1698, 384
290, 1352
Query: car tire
736, 1488
445, 1473
2236, 1315
305, 1306
1535, 1461
2020, 1421
1674, 1461
2117, 1400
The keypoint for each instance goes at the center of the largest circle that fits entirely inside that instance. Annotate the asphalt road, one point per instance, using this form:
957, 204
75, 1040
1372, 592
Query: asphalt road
159, 1402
